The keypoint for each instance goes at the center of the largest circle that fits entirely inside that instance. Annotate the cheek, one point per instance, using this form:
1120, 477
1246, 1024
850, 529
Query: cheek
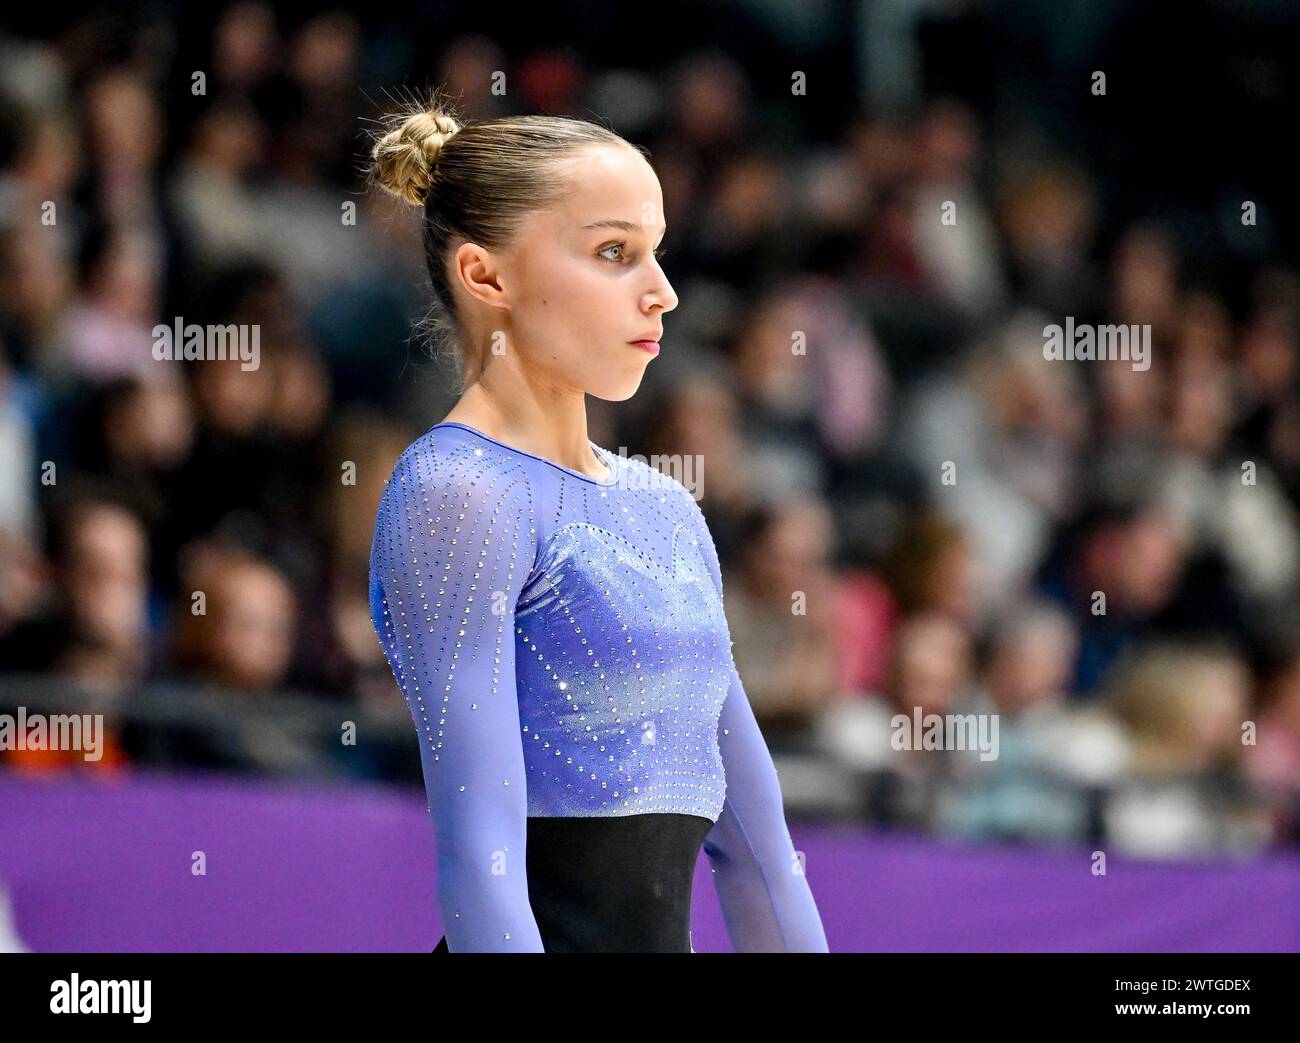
551, 296
567, 307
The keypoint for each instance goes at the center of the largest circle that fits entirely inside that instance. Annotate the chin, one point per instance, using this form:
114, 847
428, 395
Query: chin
617, 391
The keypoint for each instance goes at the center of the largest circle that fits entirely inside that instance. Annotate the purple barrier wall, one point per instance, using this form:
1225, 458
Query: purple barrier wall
106, 866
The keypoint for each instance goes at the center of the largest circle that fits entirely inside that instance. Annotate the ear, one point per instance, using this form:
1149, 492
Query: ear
478, 270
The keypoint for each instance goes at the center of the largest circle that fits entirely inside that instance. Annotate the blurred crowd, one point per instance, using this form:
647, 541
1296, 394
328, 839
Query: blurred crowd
913, 507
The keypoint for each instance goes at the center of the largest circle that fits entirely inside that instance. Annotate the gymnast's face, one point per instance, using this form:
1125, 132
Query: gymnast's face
581, 281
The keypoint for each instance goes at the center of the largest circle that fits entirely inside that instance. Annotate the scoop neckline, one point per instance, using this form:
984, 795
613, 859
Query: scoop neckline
603, 453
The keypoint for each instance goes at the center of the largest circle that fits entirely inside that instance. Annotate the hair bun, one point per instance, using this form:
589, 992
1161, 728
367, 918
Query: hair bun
405, 158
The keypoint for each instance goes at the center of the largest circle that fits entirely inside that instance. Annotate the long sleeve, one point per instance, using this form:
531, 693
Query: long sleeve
766, 901
454, 545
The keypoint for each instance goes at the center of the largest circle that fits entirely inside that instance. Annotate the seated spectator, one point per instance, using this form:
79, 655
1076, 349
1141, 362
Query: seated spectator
1049, 751
1273, 763
1182, 709
240, 633
780, 609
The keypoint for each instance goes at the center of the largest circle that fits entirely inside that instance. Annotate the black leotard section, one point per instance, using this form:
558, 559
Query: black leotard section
613, 883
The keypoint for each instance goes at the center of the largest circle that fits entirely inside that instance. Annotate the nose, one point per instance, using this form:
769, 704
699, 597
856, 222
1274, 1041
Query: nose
661, 297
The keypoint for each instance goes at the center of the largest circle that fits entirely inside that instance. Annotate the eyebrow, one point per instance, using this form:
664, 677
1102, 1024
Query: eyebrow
626, 226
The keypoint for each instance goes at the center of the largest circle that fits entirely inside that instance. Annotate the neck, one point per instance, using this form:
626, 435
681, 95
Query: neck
529, 415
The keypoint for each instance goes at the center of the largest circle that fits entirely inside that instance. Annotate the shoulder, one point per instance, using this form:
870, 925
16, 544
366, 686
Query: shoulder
677, 503
443, 465
638, 474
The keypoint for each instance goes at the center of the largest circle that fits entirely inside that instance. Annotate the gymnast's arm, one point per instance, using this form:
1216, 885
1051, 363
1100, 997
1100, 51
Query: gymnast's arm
453, 547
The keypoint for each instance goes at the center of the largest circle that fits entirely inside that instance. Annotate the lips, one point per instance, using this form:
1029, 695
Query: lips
648, 342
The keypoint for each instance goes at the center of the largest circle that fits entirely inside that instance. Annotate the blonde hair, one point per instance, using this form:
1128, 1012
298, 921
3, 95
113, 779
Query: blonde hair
476, 182
1165, 695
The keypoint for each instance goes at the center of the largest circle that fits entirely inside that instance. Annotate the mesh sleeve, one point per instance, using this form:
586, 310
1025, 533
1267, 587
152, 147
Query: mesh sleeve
454, 545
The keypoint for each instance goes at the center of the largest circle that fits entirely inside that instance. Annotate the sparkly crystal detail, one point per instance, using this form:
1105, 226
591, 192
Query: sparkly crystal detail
591, 607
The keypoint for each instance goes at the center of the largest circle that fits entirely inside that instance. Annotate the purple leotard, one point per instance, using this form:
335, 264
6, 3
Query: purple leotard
561, 645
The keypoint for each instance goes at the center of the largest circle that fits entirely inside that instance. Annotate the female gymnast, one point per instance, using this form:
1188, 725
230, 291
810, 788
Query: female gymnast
552, 613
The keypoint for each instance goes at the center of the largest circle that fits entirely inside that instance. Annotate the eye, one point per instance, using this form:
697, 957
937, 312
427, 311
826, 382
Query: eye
659, 253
